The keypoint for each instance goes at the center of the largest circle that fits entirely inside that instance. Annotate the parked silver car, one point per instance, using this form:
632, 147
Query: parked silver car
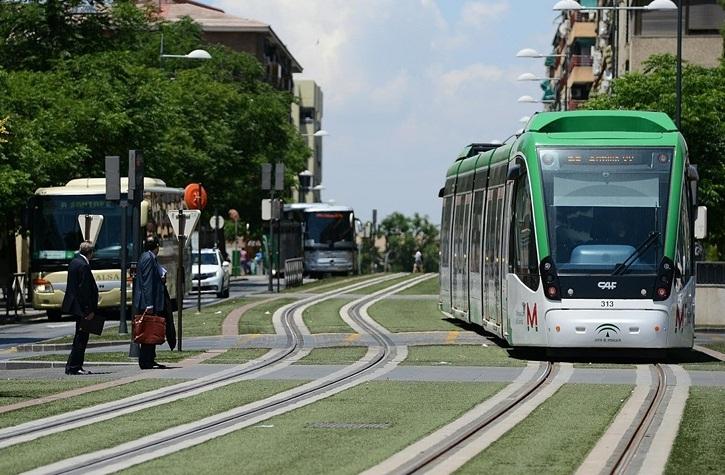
215, 273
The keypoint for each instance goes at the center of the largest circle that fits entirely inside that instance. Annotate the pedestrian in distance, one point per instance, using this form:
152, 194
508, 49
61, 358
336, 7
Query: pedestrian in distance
80, 300
418, 261
244, 258
149, 296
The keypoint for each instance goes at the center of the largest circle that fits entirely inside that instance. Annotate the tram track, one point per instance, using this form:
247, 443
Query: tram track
380, 359
293, 350
618, 450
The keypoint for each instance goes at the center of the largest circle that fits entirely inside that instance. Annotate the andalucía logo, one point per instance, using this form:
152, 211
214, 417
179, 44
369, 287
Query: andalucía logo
609, 328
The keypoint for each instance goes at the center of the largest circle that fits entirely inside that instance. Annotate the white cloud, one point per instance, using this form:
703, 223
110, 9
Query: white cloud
452, 81
392, 93
478, 14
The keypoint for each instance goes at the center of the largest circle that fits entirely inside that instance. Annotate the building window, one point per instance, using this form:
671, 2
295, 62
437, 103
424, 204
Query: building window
699, 17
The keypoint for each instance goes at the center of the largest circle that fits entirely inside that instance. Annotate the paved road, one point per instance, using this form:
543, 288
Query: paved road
36, 327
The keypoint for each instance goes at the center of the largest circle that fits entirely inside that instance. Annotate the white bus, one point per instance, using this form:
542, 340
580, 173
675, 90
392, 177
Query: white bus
55, 236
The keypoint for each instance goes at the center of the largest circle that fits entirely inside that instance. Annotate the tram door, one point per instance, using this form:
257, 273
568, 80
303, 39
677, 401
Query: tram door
445, 253
461, 228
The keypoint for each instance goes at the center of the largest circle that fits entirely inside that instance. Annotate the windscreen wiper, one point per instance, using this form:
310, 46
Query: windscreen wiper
623, 266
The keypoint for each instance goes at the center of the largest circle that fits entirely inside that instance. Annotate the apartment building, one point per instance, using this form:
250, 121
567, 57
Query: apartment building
625, 39
307, 116
240, 34
592, 47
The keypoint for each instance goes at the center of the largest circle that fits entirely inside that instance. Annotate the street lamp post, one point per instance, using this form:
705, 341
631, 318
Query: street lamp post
532, 53
654, 5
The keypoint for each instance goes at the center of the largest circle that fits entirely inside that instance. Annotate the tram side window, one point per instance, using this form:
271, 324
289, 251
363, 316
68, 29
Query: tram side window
523, 258
446, 231
476, 232
684, 240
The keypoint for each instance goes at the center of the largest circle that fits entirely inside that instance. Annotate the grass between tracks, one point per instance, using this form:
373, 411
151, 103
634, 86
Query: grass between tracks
383, 285
258, 320
324, 317
338, 355
295, 442
105, 434
410, 316
719, 346
699, 445
460, 355
332, 283
557, 435
53, 408
427, 287
162, 356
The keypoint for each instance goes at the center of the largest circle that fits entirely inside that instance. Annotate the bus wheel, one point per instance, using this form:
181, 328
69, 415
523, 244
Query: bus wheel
54, 315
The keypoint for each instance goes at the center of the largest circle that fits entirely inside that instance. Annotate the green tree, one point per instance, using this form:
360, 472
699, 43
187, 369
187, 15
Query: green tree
404, 235
703, 106
76, 87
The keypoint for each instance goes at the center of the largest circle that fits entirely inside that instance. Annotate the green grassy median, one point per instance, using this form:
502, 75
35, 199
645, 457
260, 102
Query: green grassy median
700, 444
430, 286
237, 356
557, 435
338, 355
324, 317
162, 356
258, 320
410, 316
53, 408
342, 434
460, 355
17, 390
106, 434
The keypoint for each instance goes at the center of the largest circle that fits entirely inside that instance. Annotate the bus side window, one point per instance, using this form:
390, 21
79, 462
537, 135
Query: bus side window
683, 261
523, 256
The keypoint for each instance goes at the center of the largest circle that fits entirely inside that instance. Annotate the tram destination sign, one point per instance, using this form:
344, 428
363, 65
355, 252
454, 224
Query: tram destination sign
659, 158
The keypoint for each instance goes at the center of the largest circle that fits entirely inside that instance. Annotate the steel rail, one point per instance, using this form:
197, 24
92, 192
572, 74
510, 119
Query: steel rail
652, 404
293, 345
430, 457
216, 425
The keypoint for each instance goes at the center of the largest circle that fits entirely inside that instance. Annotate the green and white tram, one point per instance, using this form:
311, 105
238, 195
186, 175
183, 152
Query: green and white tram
578, 233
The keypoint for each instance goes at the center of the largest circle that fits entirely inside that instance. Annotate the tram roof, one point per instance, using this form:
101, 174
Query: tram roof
601, 121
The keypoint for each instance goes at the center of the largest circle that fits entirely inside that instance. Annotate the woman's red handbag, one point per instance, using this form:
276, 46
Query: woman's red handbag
149, 329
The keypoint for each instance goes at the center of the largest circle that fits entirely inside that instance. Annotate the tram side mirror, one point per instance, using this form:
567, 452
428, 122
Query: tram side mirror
701, 222
693, 177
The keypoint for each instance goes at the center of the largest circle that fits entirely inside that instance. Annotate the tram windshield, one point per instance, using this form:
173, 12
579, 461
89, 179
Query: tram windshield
329, 228
603, 204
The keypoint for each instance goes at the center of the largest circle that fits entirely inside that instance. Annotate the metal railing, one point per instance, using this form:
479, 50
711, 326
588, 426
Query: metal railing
293, 272
710, 273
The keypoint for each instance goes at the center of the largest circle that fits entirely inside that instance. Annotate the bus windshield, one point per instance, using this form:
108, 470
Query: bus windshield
56, 234
329, 227
603, 204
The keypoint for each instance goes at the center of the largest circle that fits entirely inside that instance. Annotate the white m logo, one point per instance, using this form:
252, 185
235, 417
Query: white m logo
607, 285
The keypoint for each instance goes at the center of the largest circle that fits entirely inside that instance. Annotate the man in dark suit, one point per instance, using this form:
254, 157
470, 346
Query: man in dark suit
81, 300
149, 296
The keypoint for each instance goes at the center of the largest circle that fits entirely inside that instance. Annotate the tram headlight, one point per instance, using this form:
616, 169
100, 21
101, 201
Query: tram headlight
663, 284
550, 279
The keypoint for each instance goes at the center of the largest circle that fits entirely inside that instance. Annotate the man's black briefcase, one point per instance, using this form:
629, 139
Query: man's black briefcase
94, 325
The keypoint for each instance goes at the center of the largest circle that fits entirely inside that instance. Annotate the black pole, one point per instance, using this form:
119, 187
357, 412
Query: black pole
198, 269
270, 285
180, 277
279, 238
122, 326
678, 74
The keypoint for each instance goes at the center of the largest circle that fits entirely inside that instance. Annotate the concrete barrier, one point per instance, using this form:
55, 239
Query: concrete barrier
710, 306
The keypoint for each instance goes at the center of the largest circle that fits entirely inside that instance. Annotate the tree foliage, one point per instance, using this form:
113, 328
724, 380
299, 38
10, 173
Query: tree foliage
703, 109
404, 235
77, 87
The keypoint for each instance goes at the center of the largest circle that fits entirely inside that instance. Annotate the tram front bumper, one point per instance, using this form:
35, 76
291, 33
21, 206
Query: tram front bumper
607, 328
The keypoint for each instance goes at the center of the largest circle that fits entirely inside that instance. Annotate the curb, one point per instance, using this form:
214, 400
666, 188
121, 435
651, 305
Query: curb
10, 365
49, 347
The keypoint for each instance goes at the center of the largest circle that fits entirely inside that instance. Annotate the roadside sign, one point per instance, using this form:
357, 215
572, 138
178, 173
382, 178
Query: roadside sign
191, 217
90, 226
266, 209
216, 222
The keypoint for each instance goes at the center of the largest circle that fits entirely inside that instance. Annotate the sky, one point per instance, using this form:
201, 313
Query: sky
407, 84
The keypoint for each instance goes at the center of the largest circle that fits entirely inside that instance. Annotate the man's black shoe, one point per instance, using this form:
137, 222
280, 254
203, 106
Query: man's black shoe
155, 365
77, 372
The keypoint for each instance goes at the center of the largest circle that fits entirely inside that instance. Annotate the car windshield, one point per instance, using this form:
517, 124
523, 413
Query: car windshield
207, 258
602, 204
